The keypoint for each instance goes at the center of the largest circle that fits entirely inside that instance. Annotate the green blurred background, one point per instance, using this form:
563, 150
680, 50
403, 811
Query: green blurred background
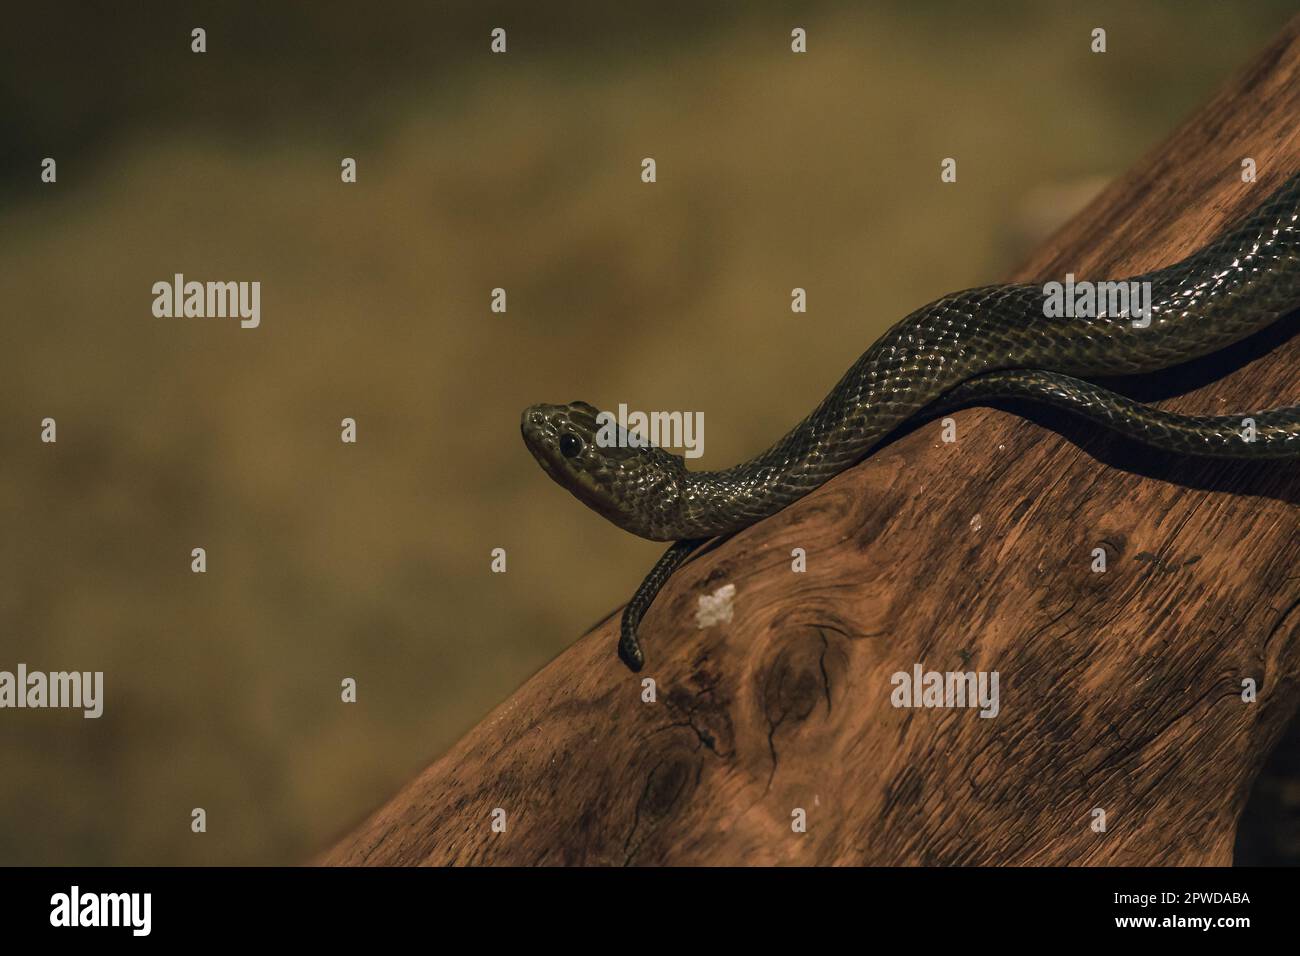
328, 560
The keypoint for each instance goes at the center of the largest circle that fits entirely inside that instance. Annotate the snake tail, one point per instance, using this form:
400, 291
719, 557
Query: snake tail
629, 645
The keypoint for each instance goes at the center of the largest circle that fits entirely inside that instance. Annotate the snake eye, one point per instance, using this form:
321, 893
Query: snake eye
570, 445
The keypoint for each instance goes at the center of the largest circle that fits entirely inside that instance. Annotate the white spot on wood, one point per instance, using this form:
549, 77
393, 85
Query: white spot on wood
716, 608
976, 523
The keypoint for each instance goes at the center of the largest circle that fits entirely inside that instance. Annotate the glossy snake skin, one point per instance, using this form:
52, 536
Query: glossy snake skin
990, 342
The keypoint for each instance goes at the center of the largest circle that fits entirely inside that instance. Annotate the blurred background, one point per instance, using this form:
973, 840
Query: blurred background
475, 171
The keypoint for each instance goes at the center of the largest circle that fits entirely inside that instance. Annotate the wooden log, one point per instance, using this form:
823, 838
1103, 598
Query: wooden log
1120, 691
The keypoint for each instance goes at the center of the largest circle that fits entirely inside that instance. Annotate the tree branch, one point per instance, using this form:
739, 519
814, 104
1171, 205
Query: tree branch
1120, 691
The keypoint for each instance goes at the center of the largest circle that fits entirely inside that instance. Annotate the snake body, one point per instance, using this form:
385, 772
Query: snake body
991, 342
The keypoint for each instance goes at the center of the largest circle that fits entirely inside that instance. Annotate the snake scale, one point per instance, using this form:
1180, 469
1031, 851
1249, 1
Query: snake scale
996, 341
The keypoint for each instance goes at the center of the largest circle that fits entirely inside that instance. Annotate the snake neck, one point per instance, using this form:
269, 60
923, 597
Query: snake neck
893, 381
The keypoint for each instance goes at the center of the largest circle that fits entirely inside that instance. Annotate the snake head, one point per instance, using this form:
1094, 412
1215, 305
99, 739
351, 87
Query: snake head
633, 484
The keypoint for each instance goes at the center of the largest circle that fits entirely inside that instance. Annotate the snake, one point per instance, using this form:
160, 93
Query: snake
976, 345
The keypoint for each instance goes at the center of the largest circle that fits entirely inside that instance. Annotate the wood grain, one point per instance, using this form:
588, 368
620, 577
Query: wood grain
1120, 690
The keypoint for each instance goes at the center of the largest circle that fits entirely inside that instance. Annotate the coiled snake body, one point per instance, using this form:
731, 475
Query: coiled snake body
992, 342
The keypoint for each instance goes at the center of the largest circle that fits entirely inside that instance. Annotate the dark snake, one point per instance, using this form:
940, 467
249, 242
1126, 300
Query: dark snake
980, 344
